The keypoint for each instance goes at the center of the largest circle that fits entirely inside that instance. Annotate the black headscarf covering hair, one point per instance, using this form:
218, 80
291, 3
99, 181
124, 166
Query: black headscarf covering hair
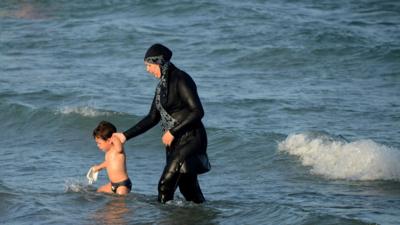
157, 51
161, 55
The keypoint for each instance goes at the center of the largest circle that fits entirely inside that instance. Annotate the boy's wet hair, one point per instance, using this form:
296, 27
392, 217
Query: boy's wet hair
104, 130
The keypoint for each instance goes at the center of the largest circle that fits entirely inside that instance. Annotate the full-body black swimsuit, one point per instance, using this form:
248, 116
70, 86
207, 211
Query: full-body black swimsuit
186, 157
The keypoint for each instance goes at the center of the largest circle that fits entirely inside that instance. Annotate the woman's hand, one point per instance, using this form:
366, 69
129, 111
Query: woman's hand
120, 136
167, 138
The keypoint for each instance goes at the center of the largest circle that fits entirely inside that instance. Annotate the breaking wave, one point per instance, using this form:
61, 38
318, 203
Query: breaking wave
337, 158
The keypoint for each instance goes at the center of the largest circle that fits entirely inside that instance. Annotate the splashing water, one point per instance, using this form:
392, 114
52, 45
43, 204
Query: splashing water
78, 186
338, 159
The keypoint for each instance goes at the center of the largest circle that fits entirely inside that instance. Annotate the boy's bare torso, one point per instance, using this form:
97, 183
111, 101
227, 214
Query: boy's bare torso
116, 165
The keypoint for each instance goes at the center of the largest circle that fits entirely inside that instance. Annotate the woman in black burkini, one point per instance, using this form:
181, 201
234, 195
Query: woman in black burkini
177, 105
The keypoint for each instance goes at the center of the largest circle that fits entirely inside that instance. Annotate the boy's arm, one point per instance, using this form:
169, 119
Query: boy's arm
118, 147
99, 167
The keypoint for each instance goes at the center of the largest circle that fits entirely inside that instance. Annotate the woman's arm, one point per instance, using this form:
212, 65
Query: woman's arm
149, 121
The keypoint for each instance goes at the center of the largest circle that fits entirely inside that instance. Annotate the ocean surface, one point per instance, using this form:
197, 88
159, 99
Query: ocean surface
302, 103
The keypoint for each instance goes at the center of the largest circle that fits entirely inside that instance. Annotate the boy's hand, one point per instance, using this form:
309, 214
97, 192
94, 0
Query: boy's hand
167, 138
120, 136
96, 168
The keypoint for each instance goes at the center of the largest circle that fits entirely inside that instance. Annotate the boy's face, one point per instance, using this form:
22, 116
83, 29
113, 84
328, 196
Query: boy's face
102, 144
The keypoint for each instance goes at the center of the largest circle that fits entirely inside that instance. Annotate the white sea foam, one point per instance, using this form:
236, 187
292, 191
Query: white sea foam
77, 185
86, 111
338, 159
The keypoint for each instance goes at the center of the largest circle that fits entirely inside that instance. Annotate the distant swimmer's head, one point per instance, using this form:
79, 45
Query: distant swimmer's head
157, 60
103, 133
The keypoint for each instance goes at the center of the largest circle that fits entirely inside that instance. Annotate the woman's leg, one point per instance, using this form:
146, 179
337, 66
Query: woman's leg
171, 176
190, 188
168, 183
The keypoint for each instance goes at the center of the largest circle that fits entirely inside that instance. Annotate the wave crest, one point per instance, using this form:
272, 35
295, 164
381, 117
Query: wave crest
86, 111
339, 159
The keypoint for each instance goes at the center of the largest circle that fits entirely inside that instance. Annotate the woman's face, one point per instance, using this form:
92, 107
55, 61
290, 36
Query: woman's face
154, 69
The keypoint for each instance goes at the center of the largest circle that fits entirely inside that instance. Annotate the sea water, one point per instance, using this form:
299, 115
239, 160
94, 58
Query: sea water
301, 103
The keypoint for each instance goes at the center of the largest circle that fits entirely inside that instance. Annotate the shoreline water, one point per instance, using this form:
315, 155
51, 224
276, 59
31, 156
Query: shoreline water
300, 98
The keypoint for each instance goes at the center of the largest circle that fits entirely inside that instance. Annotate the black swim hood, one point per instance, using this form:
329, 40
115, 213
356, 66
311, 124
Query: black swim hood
158, 51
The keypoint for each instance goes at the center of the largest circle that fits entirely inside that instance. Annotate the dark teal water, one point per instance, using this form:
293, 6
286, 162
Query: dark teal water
301, 100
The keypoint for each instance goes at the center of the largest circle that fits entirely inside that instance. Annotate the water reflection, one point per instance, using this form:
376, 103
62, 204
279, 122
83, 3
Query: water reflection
114, 212
188, 213
26, 10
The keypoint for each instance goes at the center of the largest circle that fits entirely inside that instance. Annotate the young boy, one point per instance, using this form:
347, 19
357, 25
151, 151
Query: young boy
115, 160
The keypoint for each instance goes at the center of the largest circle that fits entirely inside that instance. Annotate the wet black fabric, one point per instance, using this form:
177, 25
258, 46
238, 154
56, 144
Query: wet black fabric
187, 183
187, 155
182, 103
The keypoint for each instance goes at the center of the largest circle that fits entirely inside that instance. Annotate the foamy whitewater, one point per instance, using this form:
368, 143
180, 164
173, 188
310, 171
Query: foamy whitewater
86, 111
336, 159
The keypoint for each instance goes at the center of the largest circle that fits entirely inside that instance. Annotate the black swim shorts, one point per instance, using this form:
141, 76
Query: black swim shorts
127, 183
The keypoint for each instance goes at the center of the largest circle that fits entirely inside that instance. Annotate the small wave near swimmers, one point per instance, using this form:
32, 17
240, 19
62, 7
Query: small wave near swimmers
115, 160
176, 104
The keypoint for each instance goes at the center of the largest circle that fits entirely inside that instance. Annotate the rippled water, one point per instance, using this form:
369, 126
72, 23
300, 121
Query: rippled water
301, 100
